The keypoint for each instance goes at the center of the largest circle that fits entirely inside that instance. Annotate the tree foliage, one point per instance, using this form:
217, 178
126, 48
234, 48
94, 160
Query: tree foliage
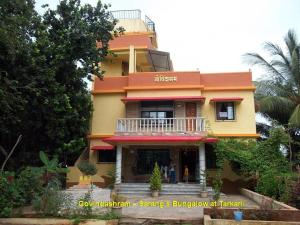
44, 64
263, 161
155, 179
278, 92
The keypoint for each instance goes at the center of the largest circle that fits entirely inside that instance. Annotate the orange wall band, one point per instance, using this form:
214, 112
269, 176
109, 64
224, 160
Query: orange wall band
229, 88
108, 91
96, 136
238, 135
173, 87
138, 88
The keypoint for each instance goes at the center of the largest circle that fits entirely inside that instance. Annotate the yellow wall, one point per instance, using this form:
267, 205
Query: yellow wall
107, 109
164, 93
244, 122
112, 67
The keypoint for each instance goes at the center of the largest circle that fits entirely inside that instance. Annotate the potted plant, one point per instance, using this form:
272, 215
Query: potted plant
155, 181
88, 170
117, 200
203, 192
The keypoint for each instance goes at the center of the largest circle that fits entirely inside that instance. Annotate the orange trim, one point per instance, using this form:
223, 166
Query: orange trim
238, 135
250, 88
138, 88
127, 48
137, 33
96, 136
108, 91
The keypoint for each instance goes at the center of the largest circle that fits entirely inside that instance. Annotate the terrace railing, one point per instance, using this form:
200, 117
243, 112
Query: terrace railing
134, 14
178, 125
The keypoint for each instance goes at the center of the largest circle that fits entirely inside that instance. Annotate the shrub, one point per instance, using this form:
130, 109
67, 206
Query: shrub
29, 183
52, 201
267, 184
87, 168
87, 210
118, 198
155, 179
217, 185
9, 196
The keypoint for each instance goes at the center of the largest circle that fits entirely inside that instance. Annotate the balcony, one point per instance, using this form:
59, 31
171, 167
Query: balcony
162, 126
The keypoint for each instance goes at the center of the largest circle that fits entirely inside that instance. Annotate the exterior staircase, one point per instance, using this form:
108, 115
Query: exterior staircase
167, 189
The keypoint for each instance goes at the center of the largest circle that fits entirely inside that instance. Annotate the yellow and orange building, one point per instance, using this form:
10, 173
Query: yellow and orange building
144, 112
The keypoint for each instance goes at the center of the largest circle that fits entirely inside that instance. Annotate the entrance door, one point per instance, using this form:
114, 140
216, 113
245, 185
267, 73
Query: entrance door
190, 113
189, 158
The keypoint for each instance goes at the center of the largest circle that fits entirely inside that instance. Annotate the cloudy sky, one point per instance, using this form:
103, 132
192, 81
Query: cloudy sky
212, 35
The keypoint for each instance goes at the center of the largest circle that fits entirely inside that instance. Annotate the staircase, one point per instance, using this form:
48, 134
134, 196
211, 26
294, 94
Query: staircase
167, 189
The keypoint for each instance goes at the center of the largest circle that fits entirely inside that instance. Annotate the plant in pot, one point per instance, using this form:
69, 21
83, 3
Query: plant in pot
203, 192
118, 201
155, 181
88, 170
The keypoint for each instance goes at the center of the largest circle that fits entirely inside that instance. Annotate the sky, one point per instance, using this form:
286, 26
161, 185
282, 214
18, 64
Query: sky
212, 35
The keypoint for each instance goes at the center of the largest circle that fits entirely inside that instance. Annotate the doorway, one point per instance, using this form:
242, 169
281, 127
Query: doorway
188, 157
190, 113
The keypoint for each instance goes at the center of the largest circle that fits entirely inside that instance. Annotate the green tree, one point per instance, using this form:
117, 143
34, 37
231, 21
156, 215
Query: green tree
155, 179
44, 64
278, 92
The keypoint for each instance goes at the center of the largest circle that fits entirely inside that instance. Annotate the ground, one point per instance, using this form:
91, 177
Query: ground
143, 206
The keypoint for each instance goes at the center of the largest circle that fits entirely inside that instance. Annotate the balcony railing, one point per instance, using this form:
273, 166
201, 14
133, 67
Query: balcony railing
133, 14
189, 124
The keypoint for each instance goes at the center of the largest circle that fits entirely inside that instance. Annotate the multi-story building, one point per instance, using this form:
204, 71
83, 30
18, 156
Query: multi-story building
144, 112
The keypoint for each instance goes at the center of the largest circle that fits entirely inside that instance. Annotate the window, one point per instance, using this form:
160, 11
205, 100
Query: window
107, 156
146, 159
225, 111
125, 68
160, 109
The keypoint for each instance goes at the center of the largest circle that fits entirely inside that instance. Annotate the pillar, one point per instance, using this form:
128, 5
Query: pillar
202, 166
119, 164
132, 61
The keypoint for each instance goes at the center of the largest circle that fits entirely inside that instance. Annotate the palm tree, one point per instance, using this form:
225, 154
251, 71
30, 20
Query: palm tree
278, 92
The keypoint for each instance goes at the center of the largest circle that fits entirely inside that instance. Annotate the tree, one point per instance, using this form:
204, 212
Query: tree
278, 92
155, 179
45, 62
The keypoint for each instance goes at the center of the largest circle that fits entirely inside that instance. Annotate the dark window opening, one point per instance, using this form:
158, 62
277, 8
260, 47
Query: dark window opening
225, 111
125, 68
158, 112
107, 156
210, 157
146, 159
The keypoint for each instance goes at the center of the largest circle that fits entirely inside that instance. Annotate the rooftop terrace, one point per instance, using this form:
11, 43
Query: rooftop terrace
135, 14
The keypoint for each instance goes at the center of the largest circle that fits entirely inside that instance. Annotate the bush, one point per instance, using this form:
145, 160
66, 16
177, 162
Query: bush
9, 197
118, 198
155, 179
52, 201
217, 185
29, 183
275, 185
87, 168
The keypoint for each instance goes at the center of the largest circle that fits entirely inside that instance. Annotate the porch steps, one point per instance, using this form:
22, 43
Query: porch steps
167, 189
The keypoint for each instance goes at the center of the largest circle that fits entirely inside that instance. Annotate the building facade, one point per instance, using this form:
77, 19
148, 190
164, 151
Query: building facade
144, 112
